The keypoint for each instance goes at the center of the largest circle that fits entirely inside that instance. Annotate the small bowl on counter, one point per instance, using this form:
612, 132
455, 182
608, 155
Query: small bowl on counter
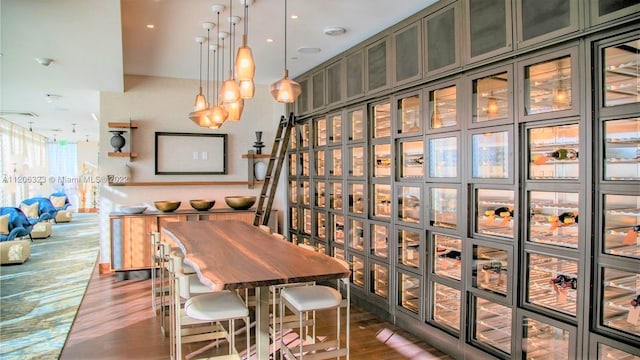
202, 205
133, 209
167, 205
240, 202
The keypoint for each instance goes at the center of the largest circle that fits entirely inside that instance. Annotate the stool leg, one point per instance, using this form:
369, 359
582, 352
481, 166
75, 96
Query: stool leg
282, 345
232, 331
301, 337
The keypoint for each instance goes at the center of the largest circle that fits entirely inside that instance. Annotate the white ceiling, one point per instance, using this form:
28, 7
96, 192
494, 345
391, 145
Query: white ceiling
95, 42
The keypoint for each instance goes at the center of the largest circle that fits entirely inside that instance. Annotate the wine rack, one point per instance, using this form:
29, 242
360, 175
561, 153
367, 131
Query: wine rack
320, 163
553, 152
622, 149
553, 218
293, 191
409, 292
606, 352
357, 271
548, 86
321, 225
293, 216
409, 199
621, 301
356, 234
304, 164
335, 195
381, 120
306, 193
495, 212
356, 198
335, 135
490, 269
293, 163
338, 228
492, 325
490, 98
408, 118
552, 283
446, 306
443, 157
622, 225
356, 165
382, 160
382, 200
380, 280
447, 260
320, 131
379, 240
356, 125
409, 248
336, 162
443, 212
320, 194
306, 221
443, 108
621, 73
412, 159
544, 341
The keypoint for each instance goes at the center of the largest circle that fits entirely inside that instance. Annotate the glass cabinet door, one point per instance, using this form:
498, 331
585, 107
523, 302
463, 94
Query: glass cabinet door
320, 127
443, 157
491, 98
621, 74
321, 194
320, 163
554, 218
409, 248
621, 301
336, 162
381, 120
446, 306
381, 200
335, 134
357, 273
411, 154
304, 135
553, 152
622, 149
306, 193
293, 164
490, 155
409, 209
492, 325
382, 160
321, 225
495, 211
379, 238
356, 163
409, 292
621, 228
490, 269
408, 115
547, 86
379, 276
336, 195
293, 192
443, 211
356, 234
541, 340
489, 27
447, 257
356, 124
357, 198
293, 216
337, 223
304, 164
552, 283
606, 352
306, 221
442, 105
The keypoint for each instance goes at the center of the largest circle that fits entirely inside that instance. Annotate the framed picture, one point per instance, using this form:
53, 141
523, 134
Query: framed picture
190, 154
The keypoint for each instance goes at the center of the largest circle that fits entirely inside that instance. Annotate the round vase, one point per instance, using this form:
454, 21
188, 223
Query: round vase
118, 141
260, 170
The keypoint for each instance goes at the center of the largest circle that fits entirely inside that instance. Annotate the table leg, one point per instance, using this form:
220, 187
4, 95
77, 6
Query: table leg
262, 323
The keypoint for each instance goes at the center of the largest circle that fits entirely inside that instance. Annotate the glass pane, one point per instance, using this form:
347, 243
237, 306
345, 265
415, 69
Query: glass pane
382, 120
441, 40
495, 212
338, 228
320, 168
318, 90
356, 165
442, 103
306, 221
293, 138
356, 198
448, 256
412, 159
409, 292
321, 196
553, 152
621, 301
382, 156
293, 191
548, 86
544, 341
336, 196
409, 114
356, 234
606, 352
554, 218
321, 132
407, 54
409, 248
491, 98
334, 83
492, 325
336, 162
336, 129
489, 271
354, 75
338, 253
488, 25
304, 164
552, 283
382, 200
377, 66
490, 155
541, 17
446, 306
622, 149
622, 74
304, 135
622, 225
380, 280
357, 273
608, 6
303, 101
443, 157
356, 125
293, 215
409, 204
380, 240
306, 193
444, 208
293, 164
321, 225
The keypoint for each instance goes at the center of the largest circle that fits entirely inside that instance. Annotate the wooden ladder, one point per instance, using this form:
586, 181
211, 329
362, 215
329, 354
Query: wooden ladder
270, 185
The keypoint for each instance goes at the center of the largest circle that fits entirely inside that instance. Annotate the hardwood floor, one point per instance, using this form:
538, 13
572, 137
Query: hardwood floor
116, 321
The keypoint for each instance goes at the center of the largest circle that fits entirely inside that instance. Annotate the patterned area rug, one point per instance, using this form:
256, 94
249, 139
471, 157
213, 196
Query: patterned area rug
40, 298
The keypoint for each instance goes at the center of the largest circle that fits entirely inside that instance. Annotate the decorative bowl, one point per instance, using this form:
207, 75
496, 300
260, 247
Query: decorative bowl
133, 209
167, 206
202, 205
240, 202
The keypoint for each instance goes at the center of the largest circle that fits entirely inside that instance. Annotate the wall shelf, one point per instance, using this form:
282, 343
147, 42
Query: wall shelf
123, 125
251, 174
122, 154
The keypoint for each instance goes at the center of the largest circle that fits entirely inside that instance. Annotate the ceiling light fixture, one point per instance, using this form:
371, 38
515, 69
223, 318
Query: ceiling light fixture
201, 101
44, 61
235, 108
245, 65
30, 126
308, 50
230, 91
334, 30
218, 114
73, 128
285, 90
201, 117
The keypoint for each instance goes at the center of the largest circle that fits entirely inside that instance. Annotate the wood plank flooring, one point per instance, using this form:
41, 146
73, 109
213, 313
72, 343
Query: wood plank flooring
116, 321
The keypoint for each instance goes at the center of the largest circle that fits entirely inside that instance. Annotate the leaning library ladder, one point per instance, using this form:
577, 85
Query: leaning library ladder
270, 185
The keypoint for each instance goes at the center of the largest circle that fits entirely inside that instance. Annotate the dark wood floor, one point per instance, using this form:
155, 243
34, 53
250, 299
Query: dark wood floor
116, 321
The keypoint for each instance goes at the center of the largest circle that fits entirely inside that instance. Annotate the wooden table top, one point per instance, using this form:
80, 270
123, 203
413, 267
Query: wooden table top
230, 254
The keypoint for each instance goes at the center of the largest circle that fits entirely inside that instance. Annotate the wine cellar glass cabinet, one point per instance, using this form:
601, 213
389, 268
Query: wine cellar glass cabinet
496, 209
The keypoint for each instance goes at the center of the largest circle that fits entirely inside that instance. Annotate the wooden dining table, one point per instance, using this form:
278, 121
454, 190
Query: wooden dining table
230, 254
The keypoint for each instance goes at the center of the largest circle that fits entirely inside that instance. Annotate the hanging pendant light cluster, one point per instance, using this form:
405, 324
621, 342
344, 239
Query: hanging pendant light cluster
245, 66
218, 113
201, 117
285, 90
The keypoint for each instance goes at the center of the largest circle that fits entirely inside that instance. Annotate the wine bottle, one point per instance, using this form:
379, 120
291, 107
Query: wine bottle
503, 212
453, 254
564, 281
635, 302
494, 266
560, 154
564, 219
632, 235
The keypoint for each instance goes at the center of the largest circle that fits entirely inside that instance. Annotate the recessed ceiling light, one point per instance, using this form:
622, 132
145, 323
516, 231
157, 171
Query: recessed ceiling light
308, 50
150, 26
334, 30
269, 40
294, 16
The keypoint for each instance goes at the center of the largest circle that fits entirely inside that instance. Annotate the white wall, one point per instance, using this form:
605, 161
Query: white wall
163, 104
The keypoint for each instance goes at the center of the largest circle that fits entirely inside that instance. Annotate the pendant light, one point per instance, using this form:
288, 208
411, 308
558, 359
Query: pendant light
285, 90
218, 114
235, 108
245, 65
201, 117
201, 101
230, 91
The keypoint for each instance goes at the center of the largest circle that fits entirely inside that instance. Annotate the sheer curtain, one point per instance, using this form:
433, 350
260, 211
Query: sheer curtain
63, 169
23, 164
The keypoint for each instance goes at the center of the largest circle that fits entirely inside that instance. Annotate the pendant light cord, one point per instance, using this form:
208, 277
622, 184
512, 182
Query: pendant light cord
231, 35
200, 68
217, 59
285, 35
208, 36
